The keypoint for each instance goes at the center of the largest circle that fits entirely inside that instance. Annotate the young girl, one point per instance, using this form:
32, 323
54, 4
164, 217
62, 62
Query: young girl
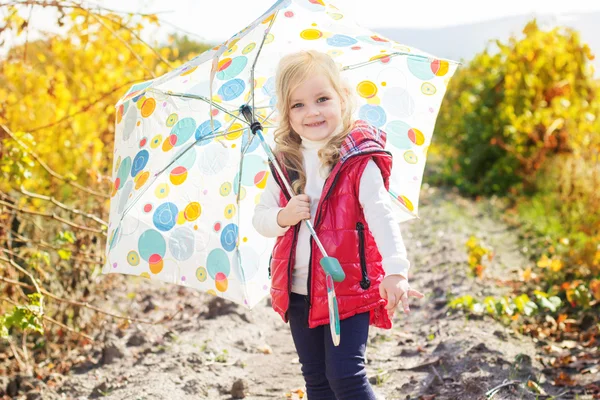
339, 171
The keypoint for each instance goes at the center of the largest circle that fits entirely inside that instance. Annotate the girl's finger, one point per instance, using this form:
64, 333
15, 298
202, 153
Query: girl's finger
415, 293
392, 302
404, 299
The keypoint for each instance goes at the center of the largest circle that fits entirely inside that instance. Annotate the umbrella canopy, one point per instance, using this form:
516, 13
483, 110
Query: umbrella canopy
188, 171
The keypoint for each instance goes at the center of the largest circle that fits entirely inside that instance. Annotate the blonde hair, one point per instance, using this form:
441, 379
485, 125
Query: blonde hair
293, 69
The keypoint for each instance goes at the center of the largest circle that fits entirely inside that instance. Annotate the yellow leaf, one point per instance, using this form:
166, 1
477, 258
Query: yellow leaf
544, 262
556, 265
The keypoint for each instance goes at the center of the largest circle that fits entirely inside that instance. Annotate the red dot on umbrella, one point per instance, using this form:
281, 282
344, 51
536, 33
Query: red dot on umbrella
220, 276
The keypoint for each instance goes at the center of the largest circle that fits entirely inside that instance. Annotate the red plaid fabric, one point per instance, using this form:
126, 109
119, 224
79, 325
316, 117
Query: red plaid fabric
363, 137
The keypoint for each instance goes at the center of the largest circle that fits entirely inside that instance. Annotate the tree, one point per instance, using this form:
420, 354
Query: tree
507, 112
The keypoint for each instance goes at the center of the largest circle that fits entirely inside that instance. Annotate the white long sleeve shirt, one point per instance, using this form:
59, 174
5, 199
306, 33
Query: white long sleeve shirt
373, 198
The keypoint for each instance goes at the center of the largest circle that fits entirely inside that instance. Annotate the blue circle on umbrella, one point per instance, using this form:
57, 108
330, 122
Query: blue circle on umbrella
237, 65
139, 162
217, 261
231, 89
124, 170
186, 160
420, 67
246, 138
229, 237
341, 41
204, 130
139, 86
181, 243
269, 87
137, 97
375, 115
398, 134
165, 216
253, 164
184, 129
151, 242
273, 102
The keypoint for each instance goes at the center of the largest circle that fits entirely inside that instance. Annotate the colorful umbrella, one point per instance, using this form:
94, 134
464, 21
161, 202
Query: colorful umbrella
188, 171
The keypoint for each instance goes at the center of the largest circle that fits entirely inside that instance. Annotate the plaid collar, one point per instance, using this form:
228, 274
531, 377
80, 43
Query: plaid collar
363, 137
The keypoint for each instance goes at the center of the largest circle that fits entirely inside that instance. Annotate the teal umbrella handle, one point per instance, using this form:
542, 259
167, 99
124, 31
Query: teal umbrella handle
332, 267
334, 316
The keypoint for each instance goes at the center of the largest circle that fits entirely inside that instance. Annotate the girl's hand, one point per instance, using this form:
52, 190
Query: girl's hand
395, 288
297, 209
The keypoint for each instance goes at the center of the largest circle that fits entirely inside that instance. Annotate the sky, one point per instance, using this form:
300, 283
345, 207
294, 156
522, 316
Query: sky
216, 21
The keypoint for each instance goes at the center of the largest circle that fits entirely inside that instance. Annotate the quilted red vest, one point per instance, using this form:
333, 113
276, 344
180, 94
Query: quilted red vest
345, 235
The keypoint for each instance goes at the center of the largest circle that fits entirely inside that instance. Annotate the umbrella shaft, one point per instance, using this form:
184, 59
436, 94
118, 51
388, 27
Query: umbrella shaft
271, 156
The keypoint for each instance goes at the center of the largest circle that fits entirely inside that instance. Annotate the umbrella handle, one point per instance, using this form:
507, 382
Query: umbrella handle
334, 315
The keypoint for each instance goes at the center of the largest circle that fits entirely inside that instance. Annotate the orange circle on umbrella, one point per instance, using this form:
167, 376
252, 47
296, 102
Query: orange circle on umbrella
148, 107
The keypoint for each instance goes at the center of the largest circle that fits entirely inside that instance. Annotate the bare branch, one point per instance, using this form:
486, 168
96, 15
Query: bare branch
53, 216
46, 245
86, 107
161, 58
18, 267
47, 318
133, 52
89, 306
40, 270
61, 205
48, 169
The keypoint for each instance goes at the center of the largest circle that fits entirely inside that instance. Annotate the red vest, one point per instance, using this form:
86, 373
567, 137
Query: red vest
345, 235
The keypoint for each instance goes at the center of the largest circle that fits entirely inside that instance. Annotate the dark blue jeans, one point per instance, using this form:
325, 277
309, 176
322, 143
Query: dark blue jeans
330, 372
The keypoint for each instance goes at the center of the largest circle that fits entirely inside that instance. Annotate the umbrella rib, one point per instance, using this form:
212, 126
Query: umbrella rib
269, 116
262, 43
198, 97
395, 54
238, 255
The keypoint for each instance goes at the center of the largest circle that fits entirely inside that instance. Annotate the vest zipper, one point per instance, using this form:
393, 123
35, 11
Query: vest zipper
317, 220
291, 258
270, 259
365, 283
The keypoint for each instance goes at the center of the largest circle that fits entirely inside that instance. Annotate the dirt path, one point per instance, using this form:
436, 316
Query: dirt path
210, 345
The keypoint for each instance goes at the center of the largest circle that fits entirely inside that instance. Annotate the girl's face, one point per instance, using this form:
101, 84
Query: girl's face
315, 109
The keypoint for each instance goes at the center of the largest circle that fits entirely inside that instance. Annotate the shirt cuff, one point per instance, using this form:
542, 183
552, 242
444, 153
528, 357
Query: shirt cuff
272, 222
396, 265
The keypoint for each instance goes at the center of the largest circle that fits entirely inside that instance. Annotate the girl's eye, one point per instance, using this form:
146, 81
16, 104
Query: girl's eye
322, 99
297, 105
